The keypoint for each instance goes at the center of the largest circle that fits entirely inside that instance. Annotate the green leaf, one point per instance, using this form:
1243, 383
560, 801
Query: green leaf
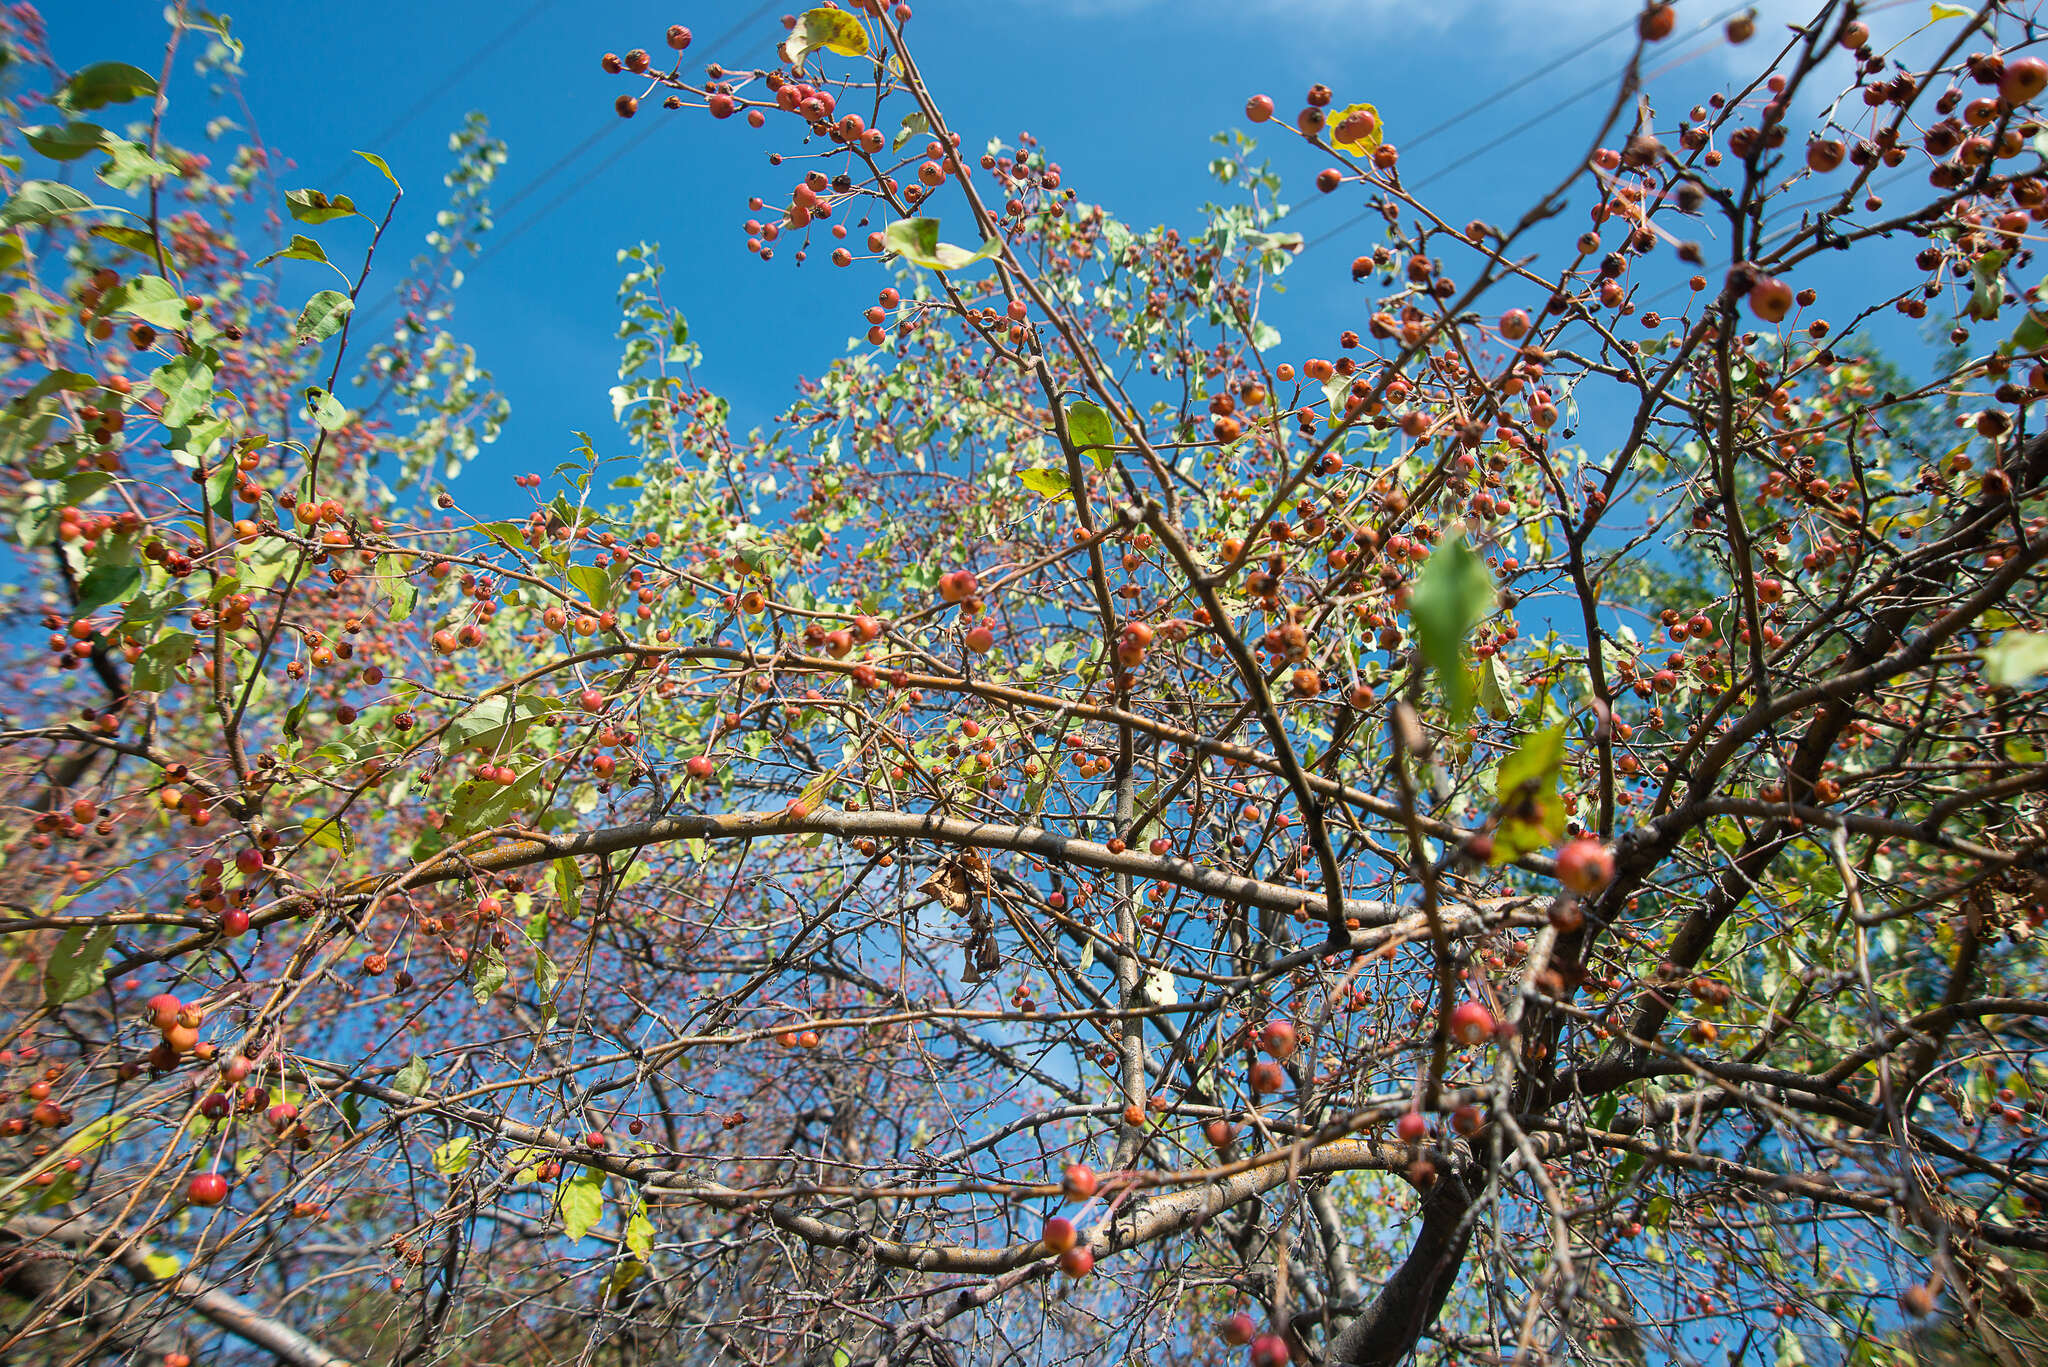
107, 585
1052, 483
582, 1202
916, 240
914, 124
96, 1134
162, 1266
2016, 658
323, 316
497, 722
830, 29
130, 164
151, 298
640, 1236
486, 973
569, 887
2032, 332
155, 671
333, 834
303, 248
312, 206
136, 240
78, 964
1526, 790
1988, 296
1452, 595
66, 141
452, 1158
39, 201
105, 83
378, 162
187, 385
1937, 13
1088, 426
547, 976
412, 1078
398, 592
326, 409
1493, 689
593, 583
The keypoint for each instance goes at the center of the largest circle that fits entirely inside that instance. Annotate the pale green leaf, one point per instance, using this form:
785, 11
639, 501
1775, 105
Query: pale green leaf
78, 964
582, 1202
452, 1158
916, 240
2016, 658
1453, 594
324, 314
1049, 482
105, 83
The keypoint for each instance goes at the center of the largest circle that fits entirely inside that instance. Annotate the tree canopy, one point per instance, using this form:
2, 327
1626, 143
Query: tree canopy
1511, 834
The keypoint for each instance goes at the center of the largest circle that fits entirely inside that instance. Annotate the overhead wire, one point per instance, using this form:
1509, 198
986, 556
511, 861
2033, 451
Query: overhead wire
1550, 111
469, 67
574, 154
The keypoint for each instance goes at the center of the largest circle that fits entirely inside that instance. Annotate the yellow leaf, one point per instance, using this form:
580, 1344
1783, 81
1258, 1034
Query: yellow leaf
1357, 129
830, 29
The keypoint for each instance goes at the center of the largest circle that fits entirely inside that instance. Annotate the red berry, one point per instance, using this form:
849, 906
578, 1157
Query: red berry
1237, 1330
1471, 1023
1270, 1350
1060, 1234
1585, 866
1412, 1128
207, 1189
1268, 1076
1077, 1262
1259, 108
1078, 1181
1278, 1039
1770, 299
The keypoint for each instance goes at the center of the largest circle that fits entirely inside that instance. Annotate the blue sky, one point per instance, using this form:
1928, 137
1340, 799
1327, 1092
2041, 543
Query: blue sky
1124, 93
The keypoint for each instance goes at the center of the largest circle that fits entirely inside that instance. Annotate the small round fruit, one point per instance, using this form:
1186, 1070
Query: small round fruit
1259, 108
981, 640
1514, 324
1585, 866
627, 106
2023, 80
1770, 299
1268, 1076
1279, 1039
1270, 1350
1077, 1262
1412, 1128
1237, 1330
207, 1189
1220, 1133
1078, 1181
1471, 1023
1059, 1234
1656, 23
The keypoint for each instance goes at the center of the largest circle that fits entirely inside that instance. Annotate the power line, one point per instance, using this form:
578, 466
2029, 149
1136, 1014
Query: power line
1555, 108
562, 162
1508, 90
455, 77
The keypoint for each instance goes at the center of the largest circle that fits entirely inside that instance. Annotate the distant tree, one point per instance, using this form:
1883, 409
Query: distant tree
1513, 834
